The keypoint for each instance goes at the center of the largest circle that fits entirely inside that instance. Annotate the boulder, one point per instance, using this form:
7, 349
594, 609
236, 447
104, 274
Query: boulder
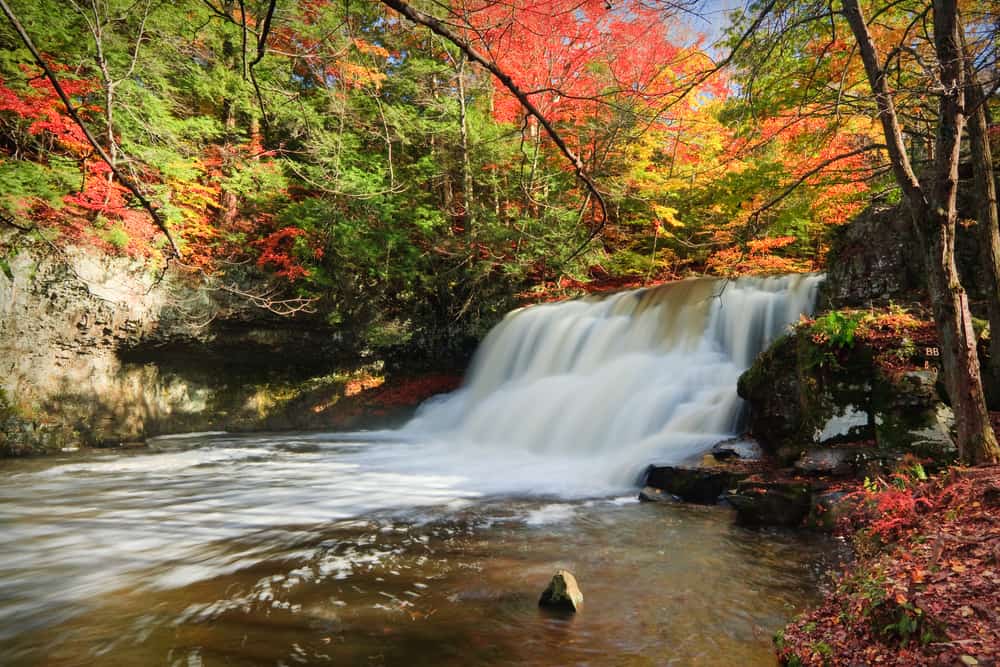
650, 494
828, 507
771, 503
736, 448
802, 395
562, 593
827, 461
807, 400
910, 417
693, 484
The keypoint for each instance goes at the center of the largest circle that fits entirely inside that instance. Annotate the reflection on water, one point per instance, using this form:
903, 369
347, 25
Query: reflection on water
308, 549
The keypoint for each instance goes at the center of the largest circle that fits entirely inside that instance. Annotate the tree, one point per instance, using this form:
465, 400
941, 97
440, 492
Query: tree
933, 205
977, 104
911, 55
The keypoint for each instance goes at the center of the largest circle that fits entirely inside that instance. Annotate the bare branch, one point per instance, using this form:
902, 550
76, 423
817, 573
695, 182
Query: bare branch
438, 27
72, 111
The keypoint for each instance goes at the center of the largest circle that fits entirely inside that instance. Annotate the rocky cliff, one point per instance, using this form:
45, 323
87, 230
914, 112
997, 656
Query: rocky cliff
101, 351
876, 260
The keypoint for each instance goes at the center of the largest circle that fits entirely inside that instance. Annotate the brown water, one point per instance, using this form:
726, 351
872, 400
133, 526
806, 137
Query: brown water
229, 551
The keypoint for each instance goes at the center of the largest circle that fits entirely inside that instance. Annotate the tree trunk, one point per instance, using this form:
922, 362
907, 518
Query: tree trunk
987, 215
228, 201
467, 183
935, 213
976, 442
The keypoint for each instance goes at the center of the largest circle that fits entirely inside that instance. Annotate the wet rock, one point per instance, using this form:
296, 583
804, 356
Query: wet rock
827, 461
771, 503
99, 351
651, 494
771, 387
562, 593
828, 507
693, 485
736, 448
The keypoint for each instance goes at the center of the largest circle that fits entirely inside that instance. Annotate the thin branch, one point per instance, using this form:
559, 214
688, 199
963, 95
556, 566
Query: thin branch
755, 215
72, 111
261, 49
441, 29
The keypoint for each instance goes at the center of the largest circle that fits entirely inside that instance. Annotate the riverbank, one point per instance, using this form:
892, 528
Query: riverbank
923, 588
921, 584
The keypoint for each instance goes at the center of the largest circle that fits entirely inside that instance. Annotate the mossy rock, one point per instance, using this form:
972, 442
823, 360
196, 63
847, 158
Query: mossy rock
910, 417
802, 394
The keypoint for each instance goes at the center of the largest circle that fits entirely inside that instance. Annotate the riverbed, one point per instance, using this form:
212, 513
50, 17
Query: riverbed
350, 549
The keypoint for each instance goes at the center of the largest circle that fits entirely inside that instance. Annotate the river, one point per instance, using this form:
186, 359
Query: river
325, 550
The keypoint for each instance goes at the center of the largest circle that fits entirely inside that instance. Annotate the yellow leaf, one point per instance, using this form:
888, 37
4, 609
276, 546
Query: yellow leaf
667, 215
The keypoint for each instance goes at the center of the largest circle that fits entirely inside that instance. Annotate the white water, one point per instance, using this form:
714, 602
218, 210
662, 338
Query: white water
577, 397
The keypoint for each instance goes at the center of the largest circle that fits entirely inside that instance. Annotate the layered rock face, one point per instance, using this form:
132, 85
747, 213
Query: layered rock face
876, 260
98, 351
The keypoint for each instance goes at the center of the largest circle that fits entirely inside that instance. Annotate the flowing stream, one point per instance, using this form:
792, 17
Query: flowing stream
430, 545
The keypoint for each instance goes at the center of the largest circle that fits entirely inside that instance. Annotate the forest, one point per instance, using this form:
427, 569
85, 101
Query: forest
626, 231
365, 163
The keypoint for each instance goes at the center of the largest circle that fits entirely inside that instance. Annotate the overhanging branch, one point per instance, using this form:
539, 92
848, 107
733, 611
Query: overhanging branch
755, 215
72, 111
438, 27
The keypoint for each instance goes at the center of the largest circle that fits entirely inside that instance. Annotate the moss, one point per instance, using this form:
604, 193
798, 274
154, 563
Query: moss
773, 361
23, 433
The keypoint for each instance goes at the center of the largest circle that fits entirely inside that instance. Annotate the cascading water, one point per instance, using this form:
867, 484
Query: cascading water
602, 386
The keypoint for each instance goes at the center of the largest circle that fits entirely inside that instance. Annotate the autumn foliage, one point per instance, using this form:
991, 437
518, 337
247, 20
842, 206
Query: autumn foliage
924, 590
334, 166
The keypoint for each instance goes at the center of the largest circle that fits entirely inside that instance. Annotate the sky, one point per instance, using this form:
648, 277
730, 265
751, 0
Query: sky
714, 13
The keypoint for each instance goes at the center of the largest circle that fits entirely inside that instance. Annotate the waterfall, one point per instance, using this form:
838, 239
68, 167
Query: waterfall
613, 383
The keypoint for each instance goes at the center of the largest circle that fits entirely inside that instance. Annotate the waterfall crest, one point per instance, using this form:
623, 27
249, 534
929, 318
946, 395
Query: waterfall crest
620, 380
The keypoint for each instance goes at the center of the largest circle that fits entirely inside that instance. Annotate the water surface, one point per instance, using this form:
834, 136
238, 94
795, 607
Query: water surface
350, 550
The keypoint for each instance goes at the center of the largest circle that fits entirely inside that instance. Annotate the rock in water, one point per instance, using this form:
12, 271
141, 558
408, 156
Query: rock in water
563, 593
650, 494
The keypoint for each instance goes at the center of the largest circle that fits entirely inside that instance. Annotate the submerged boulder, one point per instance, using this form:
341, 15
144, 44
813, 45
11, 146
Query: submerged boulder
771, 502
562, 593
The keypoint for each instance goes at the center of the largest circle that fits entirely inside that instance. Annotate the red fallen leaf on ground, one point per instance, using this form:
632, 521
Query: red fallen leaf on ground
928, 596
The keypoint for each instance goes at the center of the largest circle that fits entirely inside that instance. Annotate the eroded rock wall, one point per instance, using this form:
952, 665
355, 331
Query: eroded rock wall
876, 260
96, 350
